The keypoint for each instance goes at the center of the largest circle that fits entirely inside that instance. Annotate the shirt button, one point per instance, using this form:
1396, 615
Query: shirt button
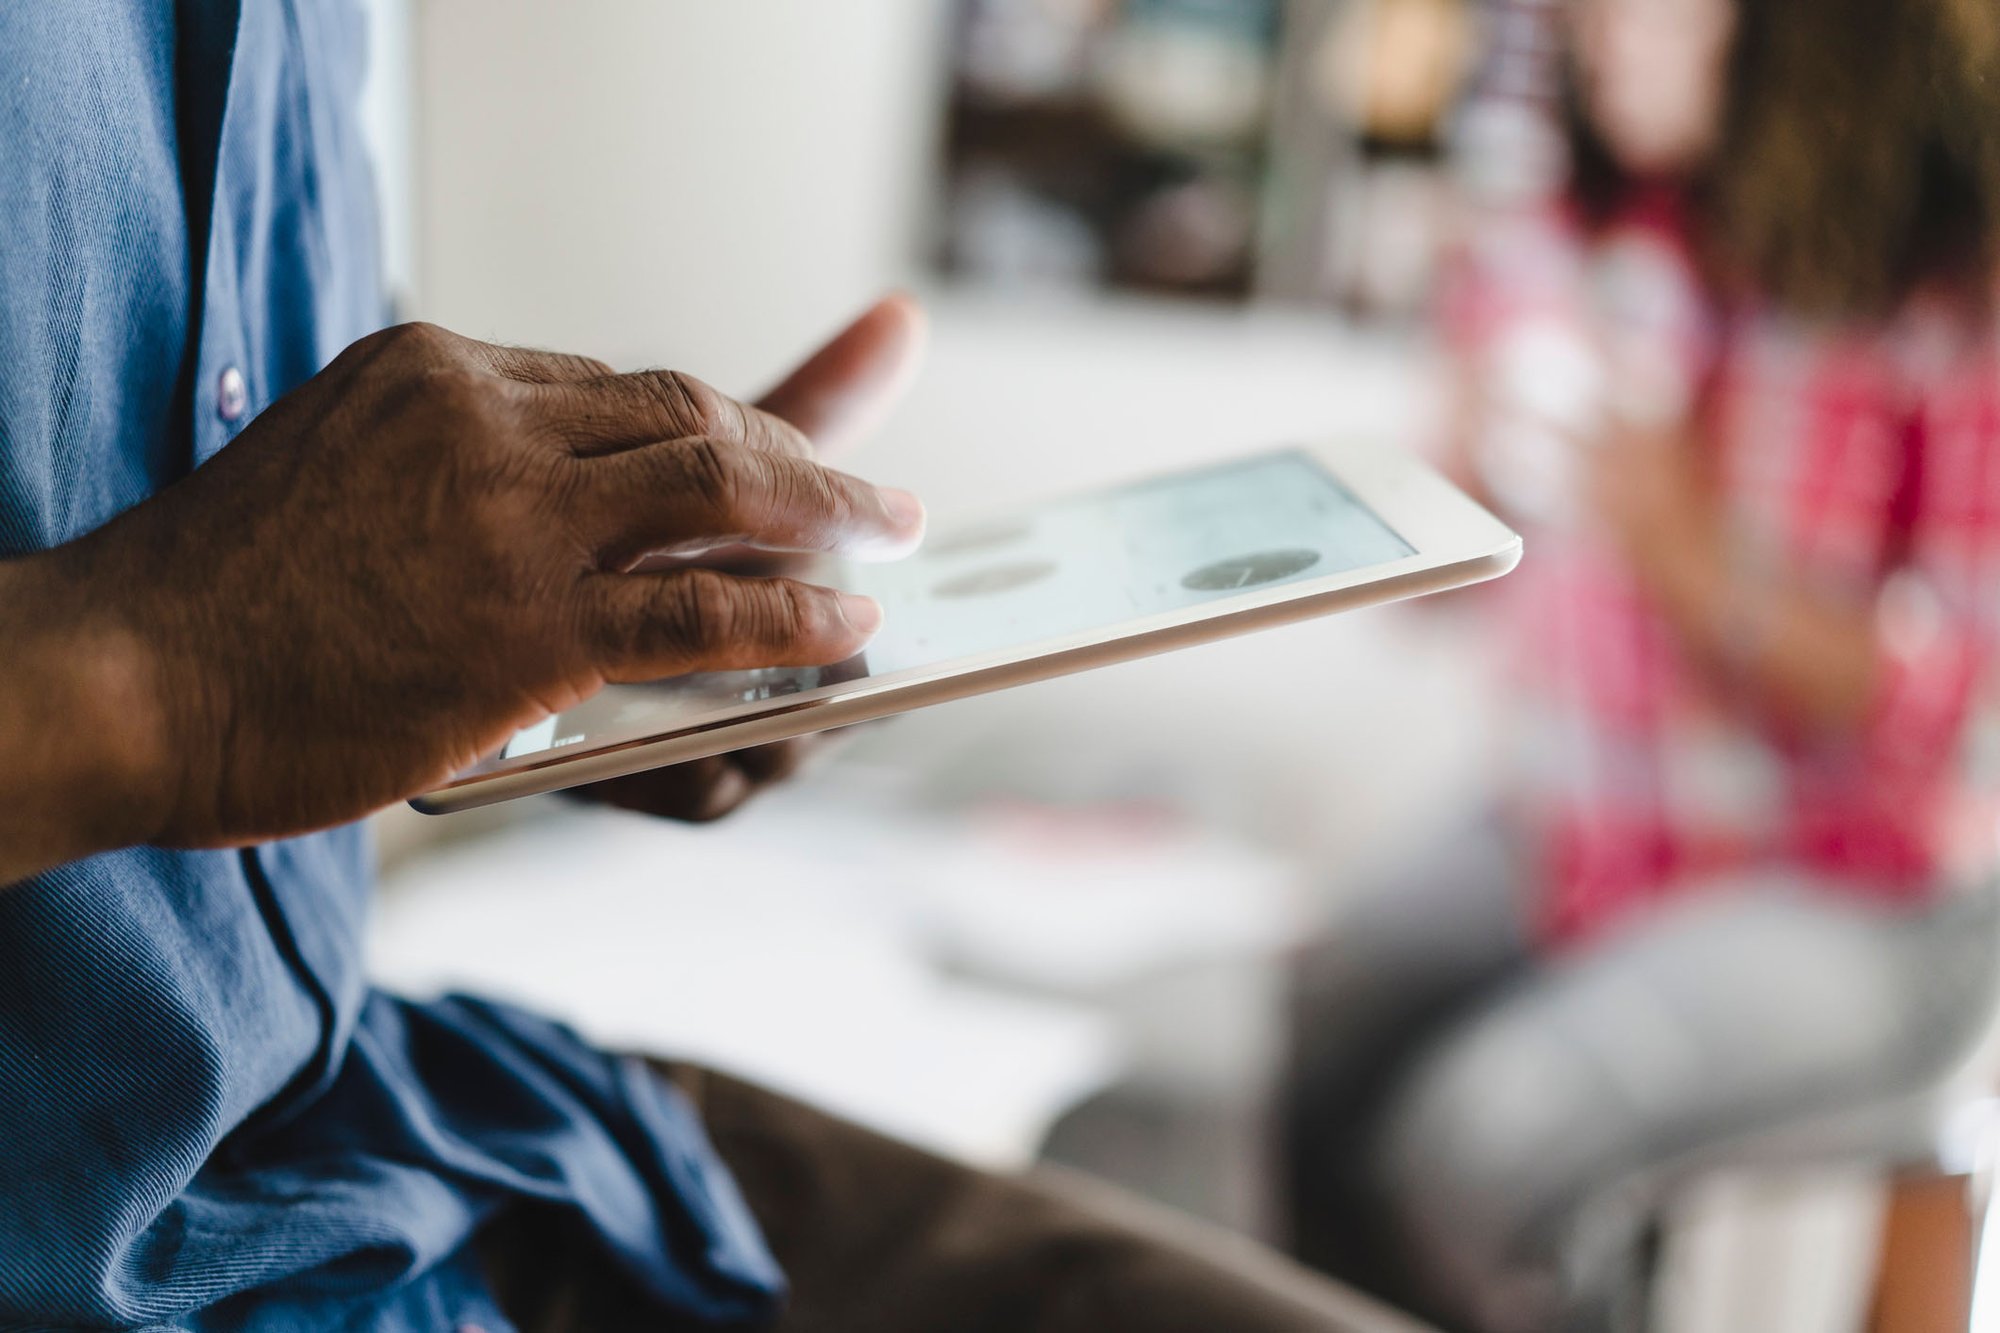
232, 395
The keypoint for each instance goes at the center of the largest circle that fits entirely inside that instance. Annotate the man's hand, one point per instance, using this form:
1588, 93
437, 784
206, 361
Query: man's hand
430, 545
836, 398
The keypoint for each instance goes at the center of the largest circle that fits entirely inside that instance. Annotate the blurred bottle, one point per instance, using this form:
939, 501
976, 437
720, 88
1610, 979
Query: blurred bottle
1390, 72
1005, 234
1394, 69
1029, 50
1191, 75
1509, 149
1190, 236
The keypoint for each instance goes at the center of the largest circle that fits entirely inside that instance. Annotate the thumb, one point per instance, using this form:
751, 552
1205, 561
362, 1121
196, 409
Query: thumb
845, 389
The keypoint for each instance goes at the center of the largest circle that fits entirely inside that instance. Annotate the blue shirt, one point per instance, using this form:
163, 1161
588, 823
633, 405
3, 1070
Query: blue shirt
208, 1119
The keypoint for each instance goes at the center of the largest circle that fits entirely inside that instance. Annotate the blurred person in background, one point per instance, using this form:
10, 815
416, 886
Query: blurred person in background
1740, 386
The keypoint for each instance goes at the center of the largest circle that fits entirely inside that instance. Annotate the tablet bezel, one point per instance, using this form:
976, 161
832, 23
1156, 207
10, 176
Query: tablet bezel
1454, 543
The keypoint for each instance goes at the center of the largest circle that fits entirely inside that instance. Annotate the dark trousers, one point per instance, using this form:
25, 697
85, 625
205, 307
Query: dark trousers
880, 1237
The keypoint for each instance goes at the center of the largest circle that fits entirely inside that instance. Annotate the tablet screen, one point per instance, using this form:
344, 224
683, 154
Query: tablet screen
1090, 563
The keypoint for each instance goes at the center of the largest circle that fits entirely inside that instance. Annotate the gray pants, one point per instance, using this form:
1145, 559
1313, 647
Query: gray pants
1459, 1107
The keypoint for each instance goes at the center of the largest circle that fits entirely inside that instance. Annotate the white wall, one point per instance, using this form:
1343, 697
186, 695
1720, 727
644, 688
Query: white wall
686, 182
388, 120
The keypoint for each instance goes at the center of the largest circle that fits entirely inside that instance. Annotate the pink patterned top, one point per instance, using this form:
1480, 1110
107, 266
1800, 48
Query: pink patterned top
1865, 460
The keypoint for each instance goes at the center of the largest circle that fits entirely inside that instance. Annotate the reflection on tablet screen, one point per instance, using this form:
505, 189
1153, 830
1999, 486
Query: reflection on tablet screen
1093, 562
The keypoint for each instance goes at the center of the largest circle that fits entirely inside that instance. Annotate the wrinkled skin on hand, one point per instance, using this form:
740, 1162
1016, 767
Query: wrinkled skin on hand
837, 398
436, 542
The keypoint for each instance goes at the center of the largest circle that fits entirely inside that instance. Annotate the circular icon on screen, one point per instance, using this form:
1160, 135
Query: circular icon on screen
1250, 571
998, 579
967, 541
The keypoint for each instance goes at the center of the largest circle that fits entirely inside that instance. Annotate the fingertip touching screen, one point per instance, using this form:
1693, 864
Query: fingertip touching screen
1092, 563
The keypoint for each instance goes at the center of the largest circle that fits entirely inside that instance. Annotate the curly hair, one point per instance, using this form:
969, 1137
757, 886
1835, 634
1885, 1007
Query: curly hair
1859, 154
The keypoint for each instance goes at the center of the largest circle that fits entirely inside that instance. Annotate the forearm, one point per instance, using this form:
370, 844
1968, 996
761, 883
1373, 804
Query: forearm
80, 740
1813, 663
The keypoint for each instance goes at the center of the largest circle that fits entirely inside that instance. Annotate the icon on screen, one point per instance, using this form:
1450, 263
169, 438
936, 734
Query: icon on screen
1250, 571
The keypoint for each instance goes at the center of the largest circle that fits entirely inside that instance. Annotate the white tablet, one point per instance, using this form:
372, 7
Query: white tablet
1063, 586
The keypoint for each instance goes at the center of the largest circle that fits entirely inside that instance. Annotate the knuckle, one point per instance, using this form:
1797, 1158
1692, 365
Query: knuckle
823, 504
827, 495
705, 611
419, 338
796, 613
397, 350
691, 405
779, 435
716, 475
801, 497
459, 391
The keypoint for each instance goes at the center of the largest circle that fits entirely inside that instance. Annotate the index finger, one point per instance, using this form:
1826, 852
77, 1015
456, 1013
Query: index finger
614, 413
697, 495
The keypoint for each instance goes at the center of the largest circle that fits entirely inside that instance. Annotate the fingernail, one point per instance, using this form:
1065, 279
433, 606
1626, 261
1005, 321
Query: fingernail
905, 508
906, 518
863, 613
